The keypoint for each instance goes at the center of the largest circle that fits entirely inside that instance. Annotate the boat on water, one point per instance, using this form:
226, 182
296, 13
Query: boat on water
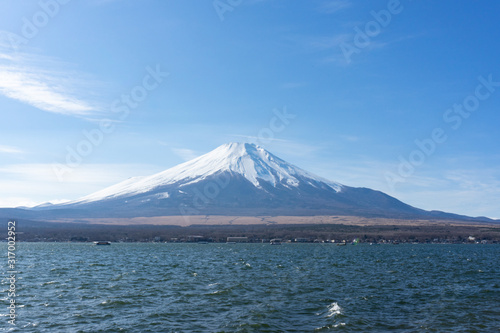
275, 241
102, 243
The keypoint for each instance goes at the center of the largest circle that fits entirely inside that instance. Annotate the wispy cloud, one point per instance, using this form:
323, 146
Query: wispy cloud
487, 181
10, 150
332, 45
39, 180
326, 42
473, 192
40, 89
350, 138
46, 83
327, 47
282, 147
185, 154
340, 47
255, 139
91, 173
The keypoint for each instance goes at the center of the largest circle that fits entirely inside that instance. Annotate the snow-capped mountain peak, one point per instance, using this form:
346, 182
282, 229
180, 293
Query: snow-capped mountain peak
235, 179
253, 162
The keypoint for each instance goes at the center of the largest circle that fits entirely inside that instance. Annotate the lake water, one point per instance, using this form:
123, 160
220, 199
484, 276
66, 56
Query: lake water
254, 288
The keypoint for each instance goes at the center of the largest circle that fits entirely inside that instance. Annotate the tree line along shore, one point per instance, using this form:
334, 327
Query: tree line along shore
29, 231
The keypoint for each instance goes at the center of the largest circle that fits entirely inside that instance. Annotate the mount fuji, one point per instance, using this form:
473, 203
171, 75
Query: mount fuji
236, 179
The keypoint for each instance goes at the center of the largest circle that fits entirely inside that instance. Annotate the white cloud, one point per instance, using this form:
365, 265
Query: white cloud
326, 43
10, 150
350, 138
85, 173
33, 184
46, 83
13, 202
471, 192
185, 154
331, 48
38, 89
254, 139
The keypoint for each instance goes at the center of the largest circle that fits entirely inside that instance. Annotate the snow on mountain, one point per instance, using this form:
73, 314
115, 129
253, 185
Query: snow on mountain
235, 179
254, 163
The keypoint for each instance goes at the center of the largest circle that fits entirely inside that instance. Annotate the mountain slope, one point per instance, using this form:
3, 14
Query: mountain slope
254, 163
234, 179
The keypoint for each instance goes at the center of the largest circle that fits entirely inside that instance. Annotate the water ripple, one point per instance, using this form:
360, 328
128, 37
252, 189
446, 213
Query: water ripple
255, 288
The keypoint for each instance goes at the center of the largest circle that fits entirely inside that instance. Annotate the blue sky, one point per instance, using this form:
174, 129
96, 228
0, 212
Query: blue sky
399, 96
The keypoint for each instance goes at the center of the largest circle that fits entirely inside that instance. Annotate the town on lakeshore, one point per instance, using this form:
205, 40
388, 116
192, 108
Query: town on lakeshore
286, 233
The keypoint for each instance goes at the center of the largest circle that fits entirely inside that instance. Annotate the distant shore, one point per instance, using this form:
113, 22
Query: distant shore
257, 229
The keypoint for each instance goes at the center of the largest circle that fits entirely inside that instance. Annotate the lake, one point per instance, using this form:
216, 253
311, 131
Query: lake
139, 287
